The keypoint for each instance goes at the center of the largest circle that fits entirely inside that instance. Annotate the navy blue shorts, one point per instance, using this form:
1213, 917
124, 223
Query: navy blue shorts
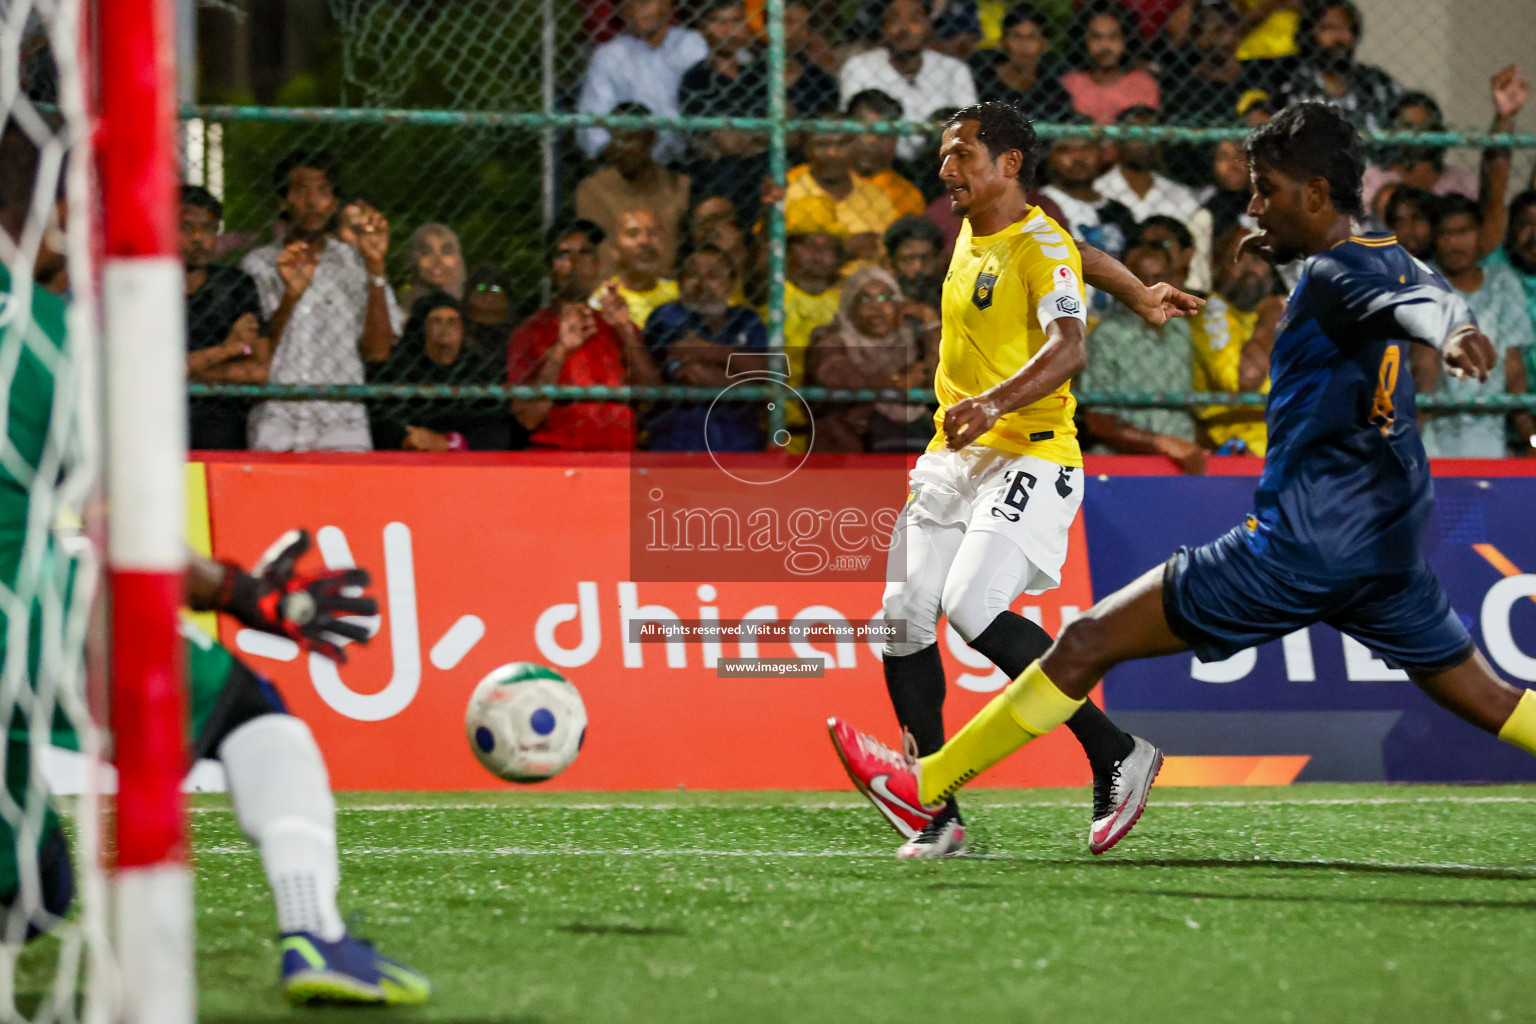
1220, 598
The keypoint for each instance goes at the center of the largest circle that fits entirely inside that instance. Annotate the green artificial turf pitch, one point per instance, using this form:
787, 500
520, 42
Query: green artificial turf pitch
1308, 904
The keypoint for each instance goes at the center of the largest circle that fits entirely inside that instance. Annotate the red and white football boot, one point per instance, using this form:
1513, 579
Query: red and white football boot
885, 776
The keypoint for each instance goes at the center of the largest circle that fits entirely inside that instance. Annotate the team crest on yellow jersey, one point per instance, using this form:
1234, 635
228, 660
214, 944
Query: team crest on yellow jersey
981, 295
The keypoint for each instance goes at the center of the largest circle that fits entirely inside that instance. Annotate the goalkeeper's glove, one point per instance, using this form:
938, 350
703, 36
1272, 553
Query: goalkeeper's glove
305, 608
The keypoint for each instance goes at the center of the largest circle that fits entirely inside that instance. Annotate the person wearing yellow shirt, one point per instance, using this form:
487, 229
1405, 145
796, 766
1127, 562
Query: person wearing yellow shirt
812, 292
1231, 338
993, 498
872, 155
637, 255
824, 195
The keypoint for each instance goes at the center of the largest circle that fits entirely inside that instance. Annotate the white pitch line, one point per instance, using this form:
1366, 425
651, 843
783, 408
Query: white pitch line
524, 851
1072, 804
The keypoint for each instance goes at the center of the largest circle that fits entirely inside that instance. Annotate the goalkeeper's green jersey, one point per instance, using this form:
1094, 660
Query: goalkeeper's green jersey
35, 570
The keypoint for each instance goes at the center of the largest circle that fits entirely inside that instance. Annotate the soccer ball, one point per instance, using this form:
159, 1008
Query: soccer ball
525, 722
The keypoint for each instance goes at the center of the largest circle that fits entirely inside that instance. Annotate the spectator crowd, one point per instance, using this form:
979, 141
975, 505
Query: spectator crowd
658, 272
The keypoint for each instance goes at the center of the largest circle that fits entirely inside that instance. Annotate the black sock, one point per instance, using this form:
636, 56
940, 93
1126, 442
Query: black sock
1012, 642
916, 685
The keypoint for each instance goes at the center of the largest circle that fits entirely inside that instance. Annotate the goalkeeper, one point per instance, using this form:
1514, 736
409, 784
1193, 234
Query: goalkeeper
277, 778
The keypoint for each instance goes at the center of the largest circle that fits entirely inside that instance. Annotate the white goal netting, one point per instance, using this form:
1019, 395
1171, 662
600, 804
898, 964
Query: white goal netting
49, 461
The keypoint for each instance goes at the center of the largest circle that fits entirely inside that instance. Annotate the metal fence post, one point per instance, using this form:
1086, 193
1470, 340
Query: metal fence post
777, 146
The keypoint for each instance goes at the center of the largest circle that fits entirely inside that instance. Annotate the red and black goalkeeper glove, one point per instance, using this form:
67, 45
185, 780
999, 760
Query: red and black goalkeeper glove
305, 608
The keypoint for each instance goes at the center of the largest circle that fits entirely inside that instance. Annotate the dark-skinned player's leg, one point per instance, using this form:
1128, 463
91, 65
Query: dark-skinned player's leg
1129, 624
1472, 691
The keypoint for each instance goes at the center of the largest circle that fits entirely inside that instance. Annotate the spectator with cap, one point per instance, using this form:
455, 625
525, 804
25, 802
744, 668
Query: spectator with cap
630, 179
568, 343
329, 306
871, 155
1105, 80
953, 24
906, 67
826, 196
1495, 295
644, 65
437, 263
226, 339
434, 349
703, 341
1136, 181
914, 254
1022, 71
1125, 353
1325, 70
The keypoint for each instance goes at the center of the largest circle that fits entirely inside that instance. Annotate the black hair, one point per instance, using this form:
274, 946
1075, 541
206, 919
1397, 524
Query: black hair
630, 108
876, 102
316, 159
1454, 203
1418, 99
487, 274
560, 232
1522, 202
196, 195
906, 229
1423, 202
1176, 227
1312, 15
707, 250
1018, 14
1313, 140
18, 166
1139, 110
1077, 39
416, 323
1001, 127
705, 8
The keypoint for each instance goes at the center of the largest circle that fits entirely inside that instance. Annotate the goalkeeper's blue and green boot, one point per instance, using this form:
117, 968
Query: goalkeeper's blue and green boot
348, 970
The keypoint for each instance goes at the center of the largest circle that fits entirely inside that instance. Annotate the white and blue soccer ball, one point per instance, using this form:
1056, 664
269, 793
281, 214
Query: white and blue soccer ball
525, 722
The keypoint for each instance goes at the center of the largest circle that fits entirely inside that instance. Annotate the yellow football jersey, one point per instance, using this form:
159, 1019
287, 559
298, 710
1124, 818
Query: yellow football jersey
1218, 334
1000, 291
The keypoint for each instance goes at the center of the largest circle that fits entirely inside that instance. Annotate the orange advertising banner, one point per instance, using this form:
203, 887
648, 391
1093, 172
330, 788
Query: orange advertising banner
479, 562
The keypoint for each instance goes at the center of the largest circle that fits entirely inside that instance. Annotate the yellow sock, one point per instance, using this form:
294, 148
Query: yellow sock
1520, 727
1030, 706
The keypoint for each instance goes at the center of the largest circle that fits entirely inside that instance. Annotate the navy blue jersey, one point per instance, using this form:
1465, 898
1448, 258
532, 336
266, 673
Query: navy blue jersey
1346, 491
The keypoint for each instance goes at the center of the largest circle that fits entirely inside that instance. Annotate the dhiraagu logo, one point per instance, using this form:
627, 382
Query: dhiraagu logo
404, 634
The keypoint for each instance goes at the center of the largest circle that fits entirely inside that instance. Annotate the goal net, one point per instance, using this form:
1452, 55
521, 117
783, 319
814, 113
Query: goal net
94, 921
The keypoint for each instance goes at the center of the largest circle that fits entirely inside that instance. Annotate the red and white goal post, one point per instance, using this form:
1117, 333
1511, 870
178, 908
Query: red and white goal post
142, 290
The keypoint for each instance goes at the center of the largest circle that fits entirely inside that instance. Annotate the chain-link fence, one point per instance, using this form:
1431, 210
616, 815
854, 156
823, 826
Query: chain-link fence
499, 201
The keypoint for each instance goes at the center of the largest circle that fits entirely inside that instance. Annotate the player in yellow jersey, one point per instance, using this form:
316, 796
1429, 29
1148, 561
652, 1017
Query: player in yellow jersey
993, 498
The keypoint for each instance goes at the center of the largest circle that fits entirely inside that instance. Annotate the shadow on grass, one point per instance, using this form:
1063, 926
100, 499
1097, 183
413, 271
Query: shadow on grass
585, 928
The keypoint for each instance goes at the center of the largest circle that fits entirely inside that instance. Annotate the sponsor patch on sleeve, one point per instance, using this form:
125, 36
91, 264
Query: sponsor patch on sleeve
1064, 278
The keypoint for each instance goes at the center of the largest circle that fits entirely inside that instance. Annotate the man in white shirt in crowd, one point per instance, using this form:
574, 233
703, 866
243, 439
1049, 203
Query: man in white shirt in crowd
1135, 182
644, 65
329, 303
905, 67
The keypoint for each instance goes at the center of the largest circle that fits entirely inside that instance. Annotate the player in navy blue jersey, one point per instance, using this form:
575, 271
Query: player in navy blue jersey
1335, 534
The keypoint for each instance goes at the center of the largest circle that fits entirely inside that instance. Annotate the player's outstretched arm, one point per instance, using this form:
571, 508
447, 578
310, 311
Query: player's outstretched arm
307, 608
1156, 304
